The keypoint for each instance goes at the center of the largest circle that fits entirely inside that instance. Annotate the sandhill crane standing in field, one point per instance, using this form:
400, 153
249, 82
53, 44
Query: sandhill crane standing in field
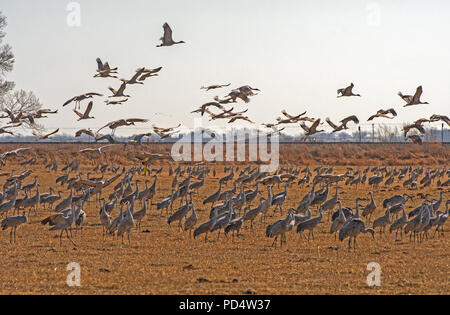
167, 39
280, 227
382, 221
207, 226
112, 228
310, 225
443, 219
353, 228
85, 115
191, 221
338, 222
139, 215
348, 91
126, 224
370, 208
399, 224
181, 213
4, 208
331, 203
279, 199
413, 100
214, 197
64, 226
236, 225
80, 216
33, 201
265, 206
105, 220
252, 214
13, 223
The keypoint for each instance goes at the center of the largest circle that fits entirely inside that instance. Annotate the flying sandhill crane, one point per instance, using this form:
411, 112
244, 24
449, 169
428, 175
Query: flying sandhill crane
119, 92
213, 87
384, 114
310, 225
167, 39
97, 150
104, 70
118, 102
202, 109
78, 99
240, 117
443, 118
416, 139
312, 129
85, 115
352, 229
135, 78
407, 128
13, 223
348, 91
87, 132
413, 100
45, 136
121, 123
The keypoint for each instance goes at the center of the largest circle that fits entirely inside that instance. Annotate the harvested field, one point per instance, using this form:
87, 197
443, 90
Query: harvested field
163, 260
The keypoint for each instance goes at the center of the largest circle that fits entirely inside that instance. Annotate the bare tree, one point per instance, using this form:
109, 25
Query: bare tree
6, 59
22, 102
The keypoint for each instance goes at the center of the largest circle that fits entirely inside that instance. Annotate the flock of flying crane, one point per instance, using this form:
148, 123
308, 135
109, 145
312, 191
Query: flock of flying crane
225, 216
243, 93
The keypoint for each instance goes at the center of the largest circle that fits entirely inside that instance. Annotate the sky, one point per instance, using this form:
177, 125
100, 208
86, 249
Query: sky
298, 53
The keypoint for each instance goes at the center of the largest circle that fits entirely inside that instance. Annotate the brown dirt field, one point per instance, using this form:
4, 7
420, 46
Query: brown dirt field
166, 261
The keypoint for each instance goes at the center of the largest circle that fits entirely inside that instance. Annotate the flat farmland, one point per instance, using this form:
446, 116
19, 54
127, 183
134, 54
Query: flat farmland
162, 259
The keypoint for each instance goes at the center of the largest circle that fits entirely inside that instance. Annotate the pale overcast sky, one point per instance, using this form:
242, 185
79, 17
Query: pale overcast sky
297, 52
